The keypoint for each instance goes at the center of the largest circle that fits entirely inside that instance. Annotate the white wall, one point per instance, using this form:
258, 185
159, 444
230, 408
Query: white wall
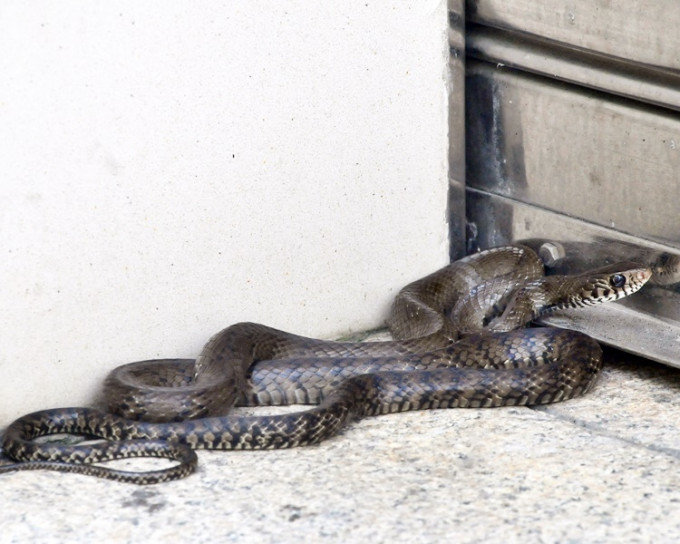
169, 168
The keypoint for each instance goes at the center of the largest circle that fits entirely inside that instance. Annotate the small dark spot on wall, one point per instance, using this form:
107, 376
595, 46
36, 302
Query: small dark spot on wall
595, 179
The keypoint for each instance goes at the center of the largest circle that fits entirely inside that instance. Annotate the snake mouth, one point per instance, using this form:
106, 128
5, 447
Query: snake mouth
613, 282
636, 279
643, 275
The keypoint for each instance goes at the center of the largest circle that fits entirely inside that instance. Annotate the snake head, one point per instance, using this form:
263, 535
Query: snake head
609, 283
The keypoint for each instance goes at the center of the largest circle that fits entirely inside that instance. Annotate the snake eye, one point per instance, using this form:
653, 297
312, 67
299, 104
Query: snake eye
618, 280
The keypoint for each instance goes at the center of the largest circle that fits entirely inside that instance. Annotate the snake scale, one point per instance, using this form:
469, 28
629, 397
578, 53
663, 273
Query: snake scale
460, 343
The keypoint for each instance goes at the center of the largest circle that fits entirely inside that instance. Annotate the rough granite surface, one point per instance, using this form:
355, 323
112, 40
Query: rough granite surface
603, 468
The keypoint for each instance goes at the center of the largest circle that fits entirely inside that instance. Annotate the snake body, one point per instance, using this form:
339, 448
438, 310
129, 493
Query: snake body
456, 347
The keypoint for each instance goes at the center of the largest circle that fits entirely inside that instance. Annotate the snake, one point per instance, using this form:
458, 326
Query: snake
459, 341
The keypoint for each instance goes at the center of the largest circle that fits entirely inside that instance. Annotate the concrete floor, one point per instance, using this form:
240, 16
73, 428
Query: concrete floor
603, 468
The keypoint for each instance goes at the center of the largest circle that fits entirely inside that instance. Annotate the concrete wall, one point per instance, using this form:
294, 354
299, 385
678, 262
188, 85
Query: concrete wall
168, 169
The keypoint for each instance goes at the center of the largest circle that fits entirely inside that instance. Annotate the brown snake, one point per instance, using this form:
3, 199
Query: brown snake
457, 348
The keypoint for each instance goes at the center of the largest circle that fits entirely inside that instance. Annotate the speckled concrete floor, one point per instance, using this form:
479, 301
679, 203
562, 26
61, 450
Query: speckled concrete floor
603, 468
